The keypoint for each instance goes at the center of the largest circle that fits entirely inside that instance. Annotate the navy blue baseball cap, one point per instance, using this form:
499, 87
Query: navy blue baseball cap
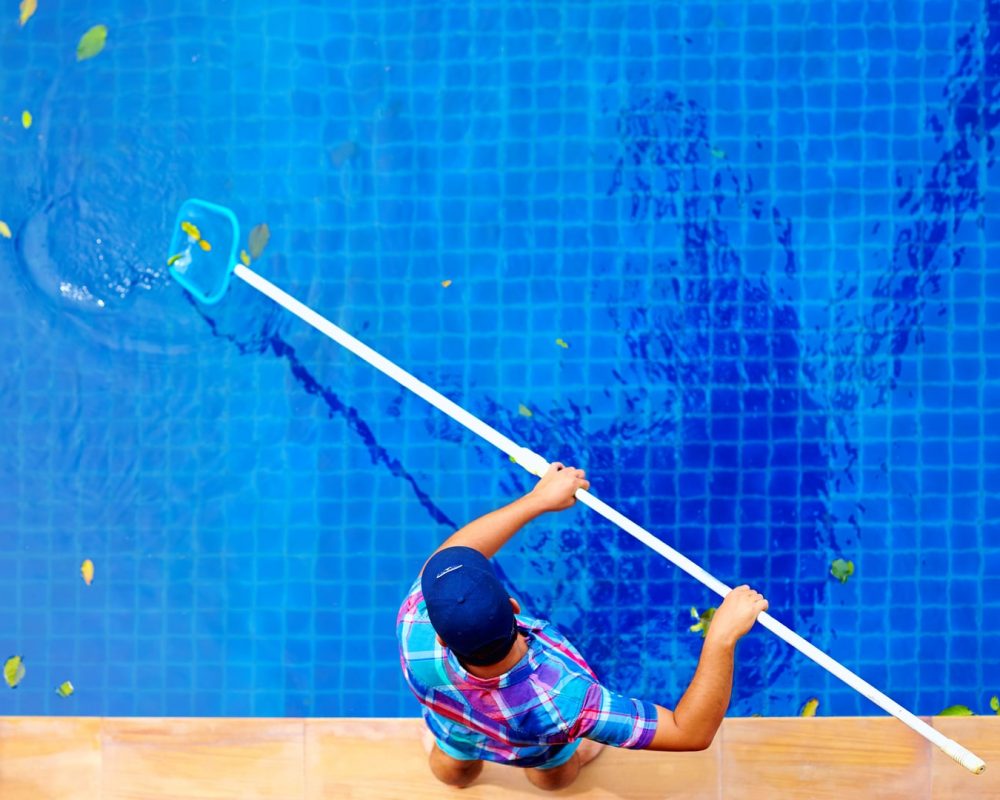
468, 606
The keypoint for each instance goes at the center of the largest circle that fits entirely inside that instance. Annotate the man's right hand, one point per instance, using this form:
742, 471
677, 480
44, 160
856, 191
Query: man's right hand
556, 489
736, 616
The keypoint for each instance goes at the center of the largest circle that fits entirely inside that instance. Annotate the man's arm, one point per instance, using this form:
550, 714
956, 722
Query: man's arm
693, 724
553, 492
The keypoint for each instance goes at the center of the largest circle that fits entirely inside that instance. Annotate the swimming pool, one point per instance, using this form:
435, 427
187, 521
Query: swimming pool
762, 233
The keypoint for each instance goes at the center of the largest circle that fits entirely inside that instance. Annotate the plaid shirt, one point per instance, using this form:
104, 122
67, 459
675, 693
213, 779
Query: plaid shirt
549, 698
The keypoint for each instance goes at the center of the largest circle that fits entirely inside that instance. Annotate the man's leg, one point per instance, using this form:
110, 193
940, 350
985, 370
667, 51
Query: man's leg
562, 776
453, 771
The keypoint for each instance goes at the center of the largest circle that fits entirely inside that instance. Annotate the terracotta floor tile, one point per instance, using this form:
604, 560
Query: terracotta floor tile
349, 759
203, 758
981, 735
384, 760
822, 758
55, 758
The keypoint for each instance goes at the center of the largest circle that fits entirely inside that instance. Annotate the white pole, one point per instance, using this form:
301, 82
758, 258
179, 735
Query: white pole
537, 465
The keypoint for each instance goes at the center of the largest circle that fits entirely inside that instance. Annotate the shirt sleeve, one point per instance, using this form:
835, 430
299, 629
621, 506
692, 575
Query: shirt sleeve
614, 719
421, 658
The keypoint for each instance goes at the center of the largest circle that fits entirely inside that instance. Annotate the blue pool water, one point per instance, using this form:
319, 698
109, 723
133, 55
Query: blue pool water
766, 232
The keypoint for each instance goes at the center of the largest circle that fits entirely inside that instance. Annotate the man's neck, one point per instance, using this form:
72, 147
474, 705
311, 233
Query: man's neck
493, 670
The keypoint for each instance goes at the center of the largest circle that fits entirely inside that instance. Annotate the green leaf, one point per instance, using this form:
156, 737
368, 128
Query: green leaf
995, 704
64, 689
259, 237
717, 153
704, 620
13, 671
809, 709
523, 410
956, 711
842, 570
91, 43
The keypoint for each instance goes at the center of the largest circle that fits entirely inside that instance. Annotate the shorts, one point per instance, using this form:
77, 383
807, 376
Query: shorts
560, 758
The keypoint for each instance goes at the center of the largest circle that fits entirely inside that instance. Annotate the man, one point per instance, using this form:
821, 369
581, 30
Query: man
500, 686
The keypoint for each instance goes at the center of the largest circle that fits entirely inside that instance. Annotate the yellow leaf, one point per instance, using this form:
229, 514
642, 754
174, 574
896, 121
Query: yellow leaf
174, 259
87, 571
26, 119
91, 43
446, 284
562, 343
809, 709
13, 671
245, 258
191, 230
64, 689
28, 7
4, 230
204, 245
523, 410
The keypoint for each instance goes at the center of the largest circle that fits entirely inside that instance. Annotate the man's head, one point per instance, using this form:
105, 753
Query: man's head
468, 606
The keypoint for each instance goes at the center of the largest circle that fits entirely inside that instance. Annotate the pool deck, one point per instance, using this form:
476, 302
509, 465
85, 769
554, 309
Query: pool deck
382, 759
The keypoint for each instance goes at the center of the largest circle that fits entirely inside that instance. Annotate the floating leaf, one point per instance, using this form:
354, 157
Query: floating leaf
4, 230
446, 284
28, 7
91, 43
704, 620
174, 259
87, 571
562, 344
204, 245
259, 237
13, 671
995, 704
26, 119
842, 570
809, 709
956, 711
717, 153
523, 410
245, 258
343, 152
191, 230
64, 689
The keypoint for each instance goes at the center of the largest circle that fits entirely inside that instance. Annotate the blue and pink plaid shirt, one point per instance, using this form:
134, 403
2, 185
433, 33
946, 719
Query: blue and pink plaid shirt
550, 698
